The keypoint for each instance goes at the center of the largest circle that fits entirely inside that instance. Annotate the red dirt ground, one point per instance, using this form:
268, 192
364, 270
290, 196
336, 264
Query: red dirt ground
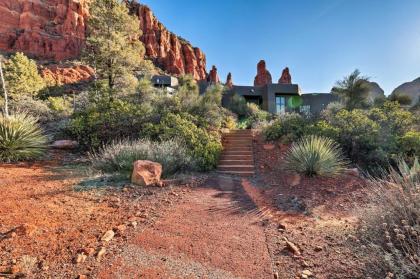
218, 227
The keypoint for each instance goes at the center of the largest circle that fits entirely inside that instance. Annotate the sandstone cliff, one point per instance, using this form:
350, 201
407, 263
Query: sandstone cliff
55, 30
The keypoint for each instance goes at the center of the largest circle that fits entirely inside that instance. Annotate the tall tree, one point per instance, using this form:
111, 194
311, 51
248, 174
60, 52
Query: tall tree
22, 77
353, 90
113, 46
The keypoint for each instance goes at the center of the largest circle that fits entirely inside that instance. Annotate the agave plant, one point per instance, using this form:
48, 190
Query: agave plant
21, 138
315, 155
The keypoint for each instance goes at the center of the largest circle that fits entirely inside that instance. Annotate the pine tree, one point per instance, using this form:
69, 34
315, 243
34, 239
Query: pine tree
113, 46
22, 77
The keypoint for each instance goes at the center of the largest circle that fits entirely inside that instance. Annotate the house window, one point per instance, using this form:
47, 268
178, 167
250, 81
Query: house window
306, 109
280, 104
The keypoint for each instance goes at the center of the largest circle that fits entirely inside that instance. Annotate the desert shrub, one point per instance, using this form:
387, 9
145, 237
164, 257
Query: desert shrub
21, 138
102, 122
62, 105
289, 127
238, 105
322, 128
410, 143
391, 226
34, 107
119, 157
331, 110
315, 155
204, 146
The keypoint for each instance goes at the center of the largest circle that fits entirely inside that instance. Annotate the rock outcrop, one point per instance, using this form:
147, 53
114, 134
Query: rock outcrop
409, 89
263, 75
59, 75
213, 76
229, 81
374, 92
285, 78
169, 52
55, 30
48, 29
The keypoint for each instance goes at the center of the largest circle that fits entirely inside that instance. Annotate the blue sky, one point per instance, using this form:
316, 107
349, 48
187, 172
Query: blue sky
319, 40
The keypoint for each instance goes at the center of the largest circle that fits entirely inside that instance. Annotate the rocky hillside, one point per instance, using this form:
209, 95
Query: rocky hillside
410, 89
55, 30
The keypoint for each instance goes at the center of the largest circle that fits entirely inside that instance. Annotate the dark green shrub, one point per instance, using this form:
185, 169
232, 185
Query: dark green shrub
21, 138
204, 146
102, 122
288, 127
410, 143
119, 157
315, 155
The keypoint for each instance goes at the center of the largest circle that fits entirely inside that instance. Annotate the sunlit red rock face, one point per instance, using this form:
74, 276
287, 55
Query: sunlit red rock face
285, 78
213, 76
48, 29
229, 81
263, 75
67, 74
169, 52
55, 30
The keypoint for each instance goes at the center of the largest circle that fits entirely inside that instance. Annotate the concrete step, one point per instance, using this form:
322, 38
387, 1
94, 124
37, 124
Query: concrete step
239, 173
236, 157
243, 148
236, 168
236, 163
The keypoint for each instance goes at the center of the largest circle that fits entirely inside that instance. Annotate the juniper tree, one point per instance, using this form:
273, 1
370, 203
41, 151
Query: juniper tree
22, 77
113, 46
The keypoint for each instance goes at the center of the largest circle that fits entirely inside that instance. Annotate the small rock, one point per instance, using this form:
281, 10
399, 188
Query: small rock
108, 236
82, 276
292, 247
120, 229
294, 180
100, 254
353, 172
25, 230
307, 273
276, 275
65, 144
281, 227
88, 251
146, 173
80, 258
318, 249
133, 224
269, 146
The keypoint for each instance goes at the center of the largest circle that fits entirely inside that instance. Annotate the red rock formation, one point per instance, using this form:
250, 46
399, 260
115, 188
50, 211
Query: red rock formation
229, 81
213, 76
285, 78
168, 51
67, 75
263, 75
55, 30
48, 29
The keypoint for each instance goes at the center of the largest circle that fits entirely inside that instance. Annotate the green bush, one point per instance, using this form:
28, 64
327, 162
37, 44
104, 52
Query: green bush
315, 155
204, 146
34, 107
102, 122
390, 225
118, 158
21, 138
410, 143
289, 127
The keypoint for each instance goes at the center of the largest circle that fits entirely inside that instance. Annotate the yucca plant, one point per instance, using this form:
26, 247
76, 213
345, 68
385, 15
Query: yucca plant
21, 138
315, 155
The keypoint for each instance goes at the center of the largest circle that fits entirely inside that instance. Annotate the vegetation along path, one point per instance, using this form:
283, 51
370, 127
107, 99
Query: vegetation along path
213, 233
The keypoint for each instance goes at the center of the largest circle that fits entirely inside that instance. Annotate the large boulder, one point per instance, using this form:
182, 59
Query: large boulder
146, 173
409, 89
374, 91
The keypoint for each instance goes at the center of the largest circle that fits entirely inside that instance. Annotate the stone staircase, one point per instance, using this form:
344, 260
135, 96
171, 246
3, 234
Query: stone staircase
238, 156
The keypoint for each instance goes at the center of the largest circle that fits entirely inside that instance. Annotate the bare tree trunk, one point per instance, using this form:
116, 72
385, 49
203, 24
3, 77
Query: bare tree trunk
6, 104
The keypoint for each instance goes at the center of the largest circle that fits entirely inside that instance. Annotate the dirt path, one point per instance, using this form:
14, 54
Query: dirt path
212, 233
